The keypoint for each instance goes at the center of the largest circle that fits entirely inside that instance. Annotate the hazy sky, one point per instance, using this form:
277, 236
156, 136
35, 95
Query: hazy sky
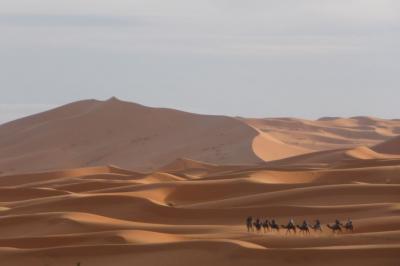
303, 58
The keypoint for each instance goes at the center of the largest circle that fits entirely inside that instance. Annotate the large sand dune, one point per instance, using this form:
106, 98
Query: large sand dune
93, 132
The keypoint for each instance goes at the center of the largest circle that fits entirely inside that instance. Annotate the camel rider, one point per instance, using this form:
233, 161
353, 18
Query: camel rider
305, 224
317, 222
349, 222
249, 220
291, 223
337, 222
273, 223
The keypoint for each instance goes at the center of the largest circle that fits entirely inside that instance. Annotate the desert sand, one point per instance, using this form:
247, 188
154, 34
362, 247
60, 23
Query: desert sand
116, 183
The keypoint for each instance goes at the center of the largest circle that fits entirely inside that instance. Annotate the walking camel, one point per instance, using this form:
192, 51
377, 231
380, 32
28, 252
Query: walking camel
258, 225
249, 224
290, 227
335, 227
304, 228
273, 225
317, 226
265, 225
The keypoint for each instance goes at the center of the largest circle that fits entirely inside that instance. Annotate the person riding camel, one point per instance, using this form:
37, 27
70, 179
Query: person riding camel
291, 223
258, 224
305, 224
273, 223
337, 222
249, 223
317, 225
349, 222
349, 225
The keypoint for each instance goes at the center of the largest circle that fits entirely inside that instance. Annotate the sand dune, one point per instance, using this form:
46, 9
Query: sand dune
327, 133
69, 216
151, 186
91, 133
336, 157
391, 146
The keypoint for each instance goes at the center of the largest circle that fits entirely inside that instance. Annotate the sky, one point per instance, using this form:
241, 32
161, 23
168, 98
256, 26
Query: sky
254, 58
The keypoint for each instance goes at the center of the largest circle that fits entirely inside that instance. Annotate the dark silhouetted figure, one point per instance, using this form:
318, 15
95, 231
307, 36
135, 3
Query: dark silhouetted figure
249, 224
304, 228
349, 225
258, 225
290, 226
273, 225
317, 226
336, 227
265, 225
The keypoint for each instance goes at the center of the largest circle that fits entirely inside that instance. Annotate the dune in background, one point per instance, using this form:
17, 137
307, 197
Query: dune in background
90, 133
328, 133
95, 133
391, 146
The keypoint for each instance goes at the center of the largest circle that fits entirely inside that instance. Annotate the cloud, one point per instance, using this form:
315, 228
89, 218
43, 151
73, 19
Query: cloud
84, 48
45, 20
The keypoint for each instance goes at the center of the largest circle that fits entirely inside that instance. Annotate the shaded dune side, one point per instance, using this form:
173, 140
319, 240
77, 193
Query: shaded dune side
391, 146
30, 179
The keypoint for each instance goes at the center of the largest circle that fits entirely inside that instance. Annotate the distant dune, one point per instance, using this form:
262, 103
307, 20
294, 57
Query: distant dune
392, 146
92, 133
327, 133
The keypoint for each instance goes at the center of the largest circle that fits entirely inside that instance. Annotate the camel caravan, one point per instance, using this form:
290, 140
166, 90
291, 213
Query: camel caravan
305, 227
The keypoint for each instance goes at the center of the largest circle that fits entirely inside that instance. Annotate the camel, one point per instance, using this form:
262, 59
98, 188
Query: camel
304, 228
290, 227
249, 224
265, 225
317, 226
348, 226
335, 227
258, 225
273, 225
